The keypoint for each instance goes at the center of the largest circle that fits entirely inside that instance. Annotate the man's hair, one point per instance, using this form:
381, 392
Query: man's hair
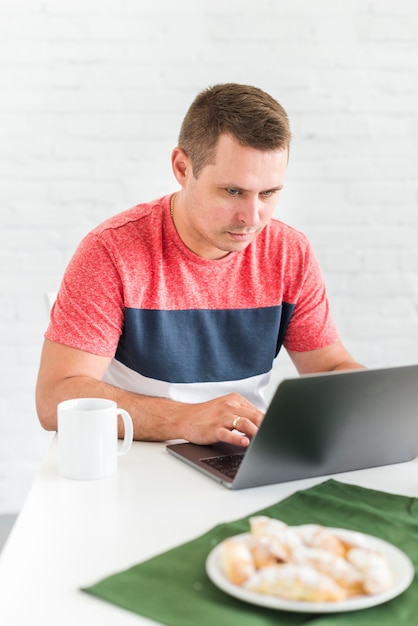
251, 116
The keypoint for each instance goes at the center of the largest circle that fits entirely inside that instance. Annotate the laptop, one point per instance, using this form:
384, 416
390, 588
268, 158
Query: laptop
319, 424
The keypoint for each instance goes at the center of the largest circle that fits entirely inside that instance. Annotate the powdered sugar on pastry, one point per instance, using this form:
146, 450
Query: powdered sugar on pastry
316, 536
264, 553
283, 539
337, 568
377, 575
295, 582
237, 560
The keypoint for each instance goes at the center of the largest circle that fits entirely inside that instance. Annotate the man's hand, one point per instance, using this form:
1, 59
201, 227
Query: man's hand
231, 418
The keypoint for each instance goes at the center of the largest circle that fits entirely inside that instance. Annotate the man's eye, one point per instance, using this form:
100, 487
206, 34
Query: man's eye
232, 192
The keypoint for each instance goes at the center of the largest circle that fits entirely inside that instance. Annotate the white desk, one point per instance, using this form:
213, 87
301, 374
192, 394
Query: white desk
71, 534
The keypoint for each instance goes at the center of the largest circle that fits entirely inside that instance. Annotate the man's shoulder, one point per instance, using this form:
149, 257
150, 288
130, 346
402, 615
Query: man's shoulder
282, 229
138, 213
285, 238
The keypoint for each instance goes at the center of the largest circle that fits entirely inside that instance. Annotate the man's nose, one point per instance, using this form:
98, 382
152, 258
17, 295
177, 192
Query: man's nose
249, 213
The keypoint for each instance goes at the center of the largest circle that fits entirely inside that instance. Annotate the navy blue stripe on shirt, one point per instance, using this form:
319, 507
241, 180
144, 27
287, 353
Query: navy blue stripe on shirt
191, 346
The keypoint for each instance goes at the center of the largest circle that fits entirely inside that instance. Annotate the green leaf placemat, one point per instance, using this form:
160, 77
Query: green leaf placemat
173, 588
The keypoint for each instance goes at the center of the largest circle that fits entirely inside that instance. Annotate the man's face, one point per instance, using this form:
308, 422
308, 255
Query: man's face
231, 201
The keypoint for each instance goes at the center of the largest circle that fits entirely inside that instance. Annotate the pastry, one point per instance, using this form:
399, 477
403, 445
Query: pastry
265, 553
236, 560
334, 566
377, 576
316, 536
283, 539
295, 582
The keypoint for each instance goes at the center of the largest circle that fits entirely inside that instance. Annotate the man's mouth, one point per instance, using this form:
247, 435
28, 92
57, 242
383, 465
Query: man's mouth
241, 236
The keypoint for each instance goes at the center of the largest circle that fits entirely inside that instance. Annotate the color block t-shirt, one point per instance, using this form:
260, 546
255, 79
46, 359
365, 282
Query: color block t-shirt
179, 326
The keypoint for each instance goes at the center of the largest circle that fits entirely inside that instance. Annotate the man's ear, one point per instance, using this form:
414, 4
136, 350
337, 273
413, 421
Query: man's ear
181, 165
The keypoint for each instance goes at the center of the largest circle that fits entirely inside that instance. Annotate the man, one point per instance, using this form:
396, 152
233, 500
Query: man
177, 308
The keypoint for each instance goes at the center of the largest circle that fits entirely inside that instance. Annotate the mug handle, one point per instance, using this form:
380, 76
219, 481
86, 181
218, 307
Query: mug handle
129, 431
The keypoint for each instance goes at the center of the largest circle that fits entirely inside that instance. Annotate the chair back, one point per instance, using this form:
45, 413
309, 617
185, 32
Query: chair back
50, 299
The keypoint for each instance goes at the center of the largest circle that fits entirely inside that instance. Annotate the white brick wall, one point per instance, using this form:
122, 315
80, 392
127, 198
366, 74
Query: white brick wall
92, 93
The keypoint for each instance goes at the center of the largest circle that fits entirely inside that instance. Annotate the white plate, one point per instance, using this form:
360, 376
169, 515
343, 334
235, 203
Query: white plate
399, 562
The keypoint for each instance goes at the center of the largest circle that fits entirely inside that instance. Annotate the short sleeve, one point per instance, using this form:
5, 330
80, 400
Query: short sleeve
88, 313
311, 325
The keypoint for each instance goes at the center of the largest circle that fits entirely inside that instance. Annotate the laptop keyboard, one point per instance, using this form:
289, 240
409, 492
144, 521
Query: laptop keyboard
227, 464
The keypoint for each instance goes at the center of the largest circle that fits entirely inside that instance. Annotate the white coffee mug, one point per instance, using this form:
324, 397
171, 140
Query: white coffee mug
88, 437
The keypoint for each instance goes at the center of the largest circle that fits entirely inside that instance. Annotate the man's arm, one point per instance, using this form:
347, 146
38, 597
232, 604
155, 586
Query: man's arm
67, 373
330, 358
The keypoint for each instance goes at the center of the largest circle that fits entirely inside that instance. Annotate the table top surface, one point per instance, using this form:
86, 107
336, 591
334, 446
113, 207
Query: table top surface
71, 534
